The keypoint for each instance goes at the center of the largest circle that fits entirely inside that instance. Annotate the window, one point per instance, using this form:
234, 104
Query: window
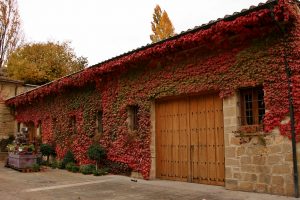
72, 124
18, 127
252, 106
99, 122
55, 125
132, 117
39, 129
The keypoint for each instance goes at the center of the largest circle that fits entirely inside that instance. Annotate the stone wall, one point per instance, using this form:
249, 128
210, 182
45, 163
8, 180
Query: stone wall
9, 89
262, 164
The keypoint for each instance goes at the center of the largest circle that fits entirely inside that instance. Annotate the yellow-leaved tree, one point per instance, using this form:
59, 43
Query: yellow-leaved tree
39, 63
161, 25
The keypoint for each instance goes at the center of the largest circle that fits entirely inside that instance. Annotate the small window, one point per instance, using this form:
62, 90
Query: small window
72, 124
18, 127
39, 129
54, 125
133, 118
252, 106
99, 122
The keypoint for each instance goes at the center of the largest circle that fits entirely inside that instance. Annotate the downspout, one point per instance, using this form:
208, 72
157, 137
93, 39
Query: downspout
288, 72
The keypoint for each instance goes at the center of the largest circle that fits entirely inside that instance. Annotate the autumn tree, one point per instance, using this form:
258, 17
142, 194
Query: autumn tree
10, 32
39, 63
161, 25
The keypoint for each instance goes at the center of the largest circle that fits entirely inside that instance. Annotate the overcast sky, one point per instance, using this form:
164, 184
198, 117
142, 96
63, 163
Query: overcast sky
100, 30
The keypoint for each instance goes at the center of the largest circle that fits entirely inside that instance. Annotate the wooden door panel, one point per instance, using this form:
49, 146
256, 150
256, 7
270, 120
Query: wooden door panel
203, 168
210, 125
194, 135
183, 139
168, 140
219, 128
190, 143
176, 142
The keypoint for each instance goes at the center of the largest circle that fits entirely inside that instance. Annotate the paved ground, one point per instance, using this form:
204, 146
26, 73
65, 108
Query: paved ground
61, 185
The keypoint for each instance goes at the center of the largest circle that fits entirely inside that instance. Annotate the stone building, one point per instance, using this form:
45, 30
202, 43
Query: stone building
8, 89
209, 106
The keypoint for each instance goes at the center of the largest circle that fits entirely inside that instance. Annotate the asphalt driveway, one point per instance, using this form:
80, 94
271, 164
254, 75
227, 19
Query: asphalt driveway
62, 185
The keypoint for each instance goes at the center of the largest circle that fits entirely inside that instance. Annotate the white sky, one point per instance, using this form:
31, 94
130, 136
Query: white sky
100, 30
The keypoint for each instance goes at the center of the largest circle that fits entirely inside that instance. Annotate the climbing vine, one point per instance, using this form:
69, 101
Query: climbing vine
244, 52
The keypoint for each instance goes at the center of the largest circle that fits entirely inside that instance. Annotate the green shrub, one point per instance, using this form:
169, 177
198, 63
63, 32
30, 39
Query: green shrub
100, 172
35, 167
69, 166
118, 167
75, 169
54, 164
96, 172
60, 165
87, 169
68, 158
30, 148
97, 153
47, 150
44, 162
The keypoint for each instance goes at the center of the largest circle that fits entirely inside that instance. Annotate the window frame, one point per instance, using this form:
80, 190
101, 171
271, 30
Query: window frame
99, 122
39, 128
253, 108
132, 114
73, 124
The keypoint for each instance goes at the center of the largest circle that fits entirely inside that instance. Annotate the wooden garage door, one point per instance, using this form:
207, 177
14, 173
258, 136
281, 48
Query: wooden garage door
190, 140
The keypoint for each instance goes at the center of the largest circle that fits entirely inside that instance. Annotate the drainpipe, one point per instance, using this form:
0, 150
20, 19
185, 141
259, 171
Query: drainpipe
288, 72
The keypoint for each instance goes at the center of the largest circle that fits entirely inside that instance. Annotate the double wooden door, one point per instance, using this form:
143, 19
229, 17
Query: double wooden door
190, 139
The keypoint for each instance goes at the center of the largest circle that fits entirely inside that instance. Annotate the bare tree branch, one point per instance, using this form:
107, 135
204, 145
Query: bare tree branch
10, 29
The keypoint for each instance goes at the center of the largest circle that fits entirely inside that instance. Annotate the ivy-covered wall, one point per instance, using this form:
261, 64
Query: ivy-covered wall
244, 52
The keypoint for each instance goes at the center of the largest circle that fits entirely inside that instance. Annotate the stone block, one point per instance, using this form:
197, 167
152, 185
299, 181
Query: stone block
289, 179
236, 169
228, 129
231, 184
235, 141
278, 139
250, 177
237, 176
230, 111
240, 150
259, 160
277, 180
289, 190
274, 159
263, 169
281, 169
275, 149
261, 187
246, 186
288, 157
227, 102
264, 178
245, 160
227, 120
232, 162
286, 148
256, 150
228, 172
277, 189
248, 168
230, 152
